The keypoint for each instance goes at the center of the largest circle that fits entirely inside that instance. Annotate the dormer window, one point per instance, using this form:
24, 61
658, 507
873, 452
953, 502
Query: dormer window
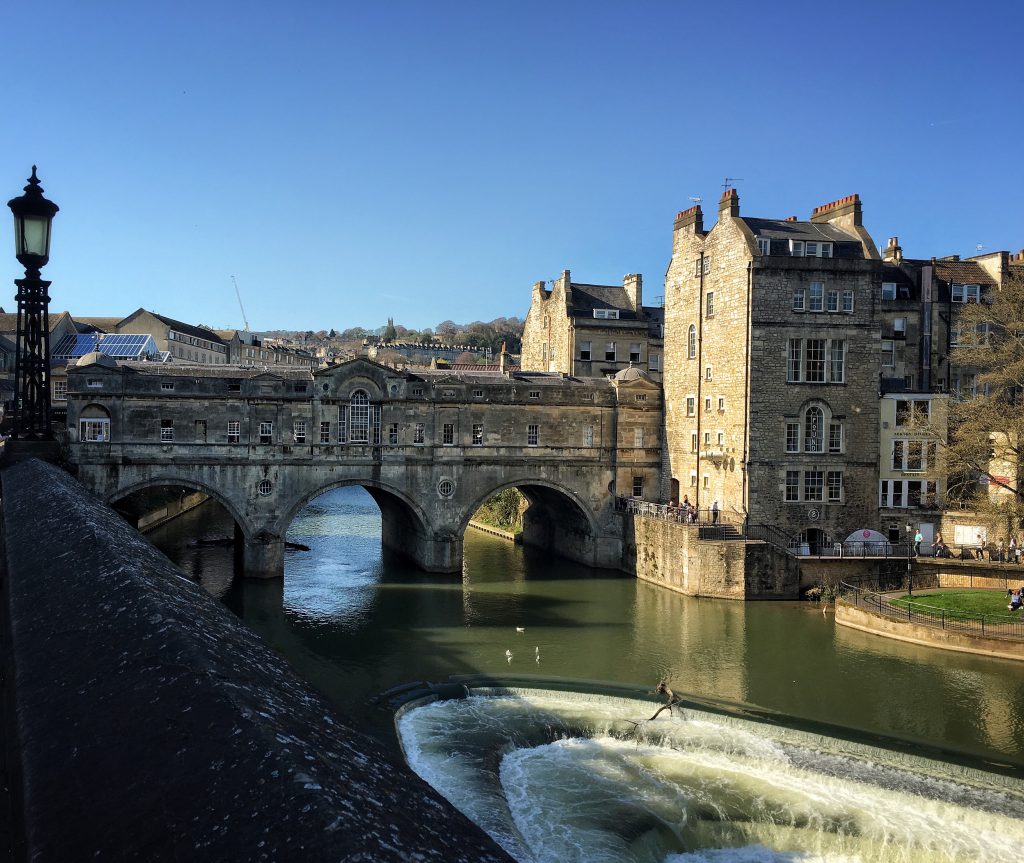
888, 290
966, 293
764, 245
607, 314
796, 248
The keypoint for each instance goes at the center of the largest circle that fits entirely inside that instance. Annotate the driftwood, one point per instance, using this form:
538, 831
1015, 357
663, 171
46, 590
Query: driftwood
670, 702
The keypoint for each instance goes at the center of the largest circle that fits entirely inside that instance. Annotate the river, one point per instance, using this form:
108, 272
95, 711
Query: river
354, 623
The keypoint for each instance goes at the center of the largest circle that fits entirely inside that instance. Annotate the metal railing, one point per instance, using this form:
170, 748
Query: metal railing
679, 514
876, 595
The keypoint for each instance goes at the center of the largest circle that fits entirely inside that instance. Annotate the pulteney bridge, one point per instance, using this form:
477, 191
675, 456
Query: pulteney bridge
430, 446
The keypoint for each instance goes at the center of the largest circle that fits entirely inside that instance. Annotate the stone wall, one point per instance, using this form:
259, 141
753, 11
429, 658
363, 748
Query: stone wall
153, 725
674, 556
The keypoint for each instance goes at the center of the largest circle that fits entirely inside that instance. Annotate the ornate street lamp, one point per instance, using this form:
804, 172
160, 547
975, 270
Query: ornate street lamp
32, 217
910, 572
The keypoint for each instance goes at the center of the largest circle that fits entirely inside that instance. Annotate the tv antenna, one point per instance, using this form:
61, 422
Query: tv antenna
239, 295
727, 185
697, 199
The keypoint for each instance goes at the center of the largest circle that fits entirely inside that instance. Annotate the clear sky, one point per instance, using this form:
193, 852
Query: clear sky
347, 161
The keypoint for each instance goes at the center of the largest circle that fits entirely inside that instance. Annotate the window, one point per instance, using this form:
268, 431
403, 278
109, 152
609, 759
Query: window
478, 394
299, 431
446, 488
707, 373
837, 361
833, 301
640, 397
448, 434
417, 391
693, 441
534, 394
532, 435
691, 342
799, 299
325, 432
811, 250
812, 429
792, 437
709, 304
166, 431
899, 325
691, 406
393, 434
912, 412
707, 439
234, 431
94, 430
544, 352
796, 248
653, 362
707, 265
693, 479
60, 391
585, 351
764, 245
265, 487
966, 293
418, 434
707, 404
816, 292
825, 249
814, 485
634, 352
638, 486
167, 386
835, 437
588, 435
888, 290
234, 386
814, 371
359, 417
792, 485
266, 432
720, 440
478, 434
609, 351
848, 302
607, 314
888, 352
795, 362
638, 438
834, 482
342, 423
588, 397
706, 481
300, 386
721, 404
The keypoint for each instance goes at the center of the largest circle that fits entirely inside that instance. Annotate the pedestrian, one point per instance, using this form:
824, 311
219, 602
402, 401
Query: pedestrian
979, 552
1001, 552
937, 545
714, 512
1012, 550
918, 539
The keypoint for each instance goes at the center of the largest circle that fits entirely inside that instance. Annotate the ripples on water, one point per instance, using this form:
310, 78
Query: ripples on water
561, 777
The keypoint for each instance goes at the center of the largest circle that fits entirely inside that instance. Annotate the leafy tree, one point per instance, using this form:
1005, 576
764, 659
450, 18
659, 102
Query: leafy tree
986, 420
332, 334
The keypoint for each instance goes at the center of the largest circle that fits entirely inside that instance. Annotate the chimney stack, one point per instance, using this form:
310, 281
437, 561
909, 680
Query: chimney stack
633, 283
691, 218
729, 206
893, 252
846, 212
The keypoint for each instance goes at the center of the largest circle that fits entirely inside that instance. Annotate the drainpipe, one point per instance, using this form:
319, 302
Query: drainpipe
700, 376
746, 387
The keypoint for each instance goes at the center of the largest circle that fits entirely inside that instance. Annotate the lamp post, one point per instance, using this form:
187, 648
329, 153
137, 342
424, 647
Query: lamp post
32, 217
910, 576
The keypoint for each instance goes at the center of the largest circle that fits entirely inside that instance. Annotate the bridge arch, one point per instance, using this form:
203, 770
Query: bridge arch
557, 518
241, 521
406, 529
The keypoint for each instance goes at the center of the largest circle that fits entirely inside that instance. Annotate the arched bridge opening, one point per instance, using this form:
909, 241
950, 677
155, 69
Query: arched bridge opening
553, 519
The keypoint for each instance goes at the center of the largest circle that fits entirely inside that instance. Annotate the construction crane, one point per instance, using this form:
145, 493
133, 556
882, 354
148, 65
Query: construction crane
239, 295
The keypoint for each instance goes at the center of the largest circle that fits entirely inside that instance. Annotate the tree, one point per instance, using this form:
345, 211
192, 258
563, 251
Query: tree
986, 412
389, 331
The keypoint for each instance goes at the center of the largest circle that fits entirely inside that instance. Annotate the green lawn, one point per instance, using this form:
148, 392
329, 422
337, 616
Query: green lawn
992, 602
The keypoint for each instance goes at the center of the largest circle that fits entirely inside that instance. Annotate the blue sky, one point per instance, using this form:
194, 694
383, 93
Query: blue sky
350, 161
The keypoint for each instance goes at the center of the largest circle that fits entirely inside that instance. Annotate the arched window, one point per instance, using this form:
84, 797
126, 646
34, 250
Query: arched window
813, 432
359, 417
94, 424
691, 342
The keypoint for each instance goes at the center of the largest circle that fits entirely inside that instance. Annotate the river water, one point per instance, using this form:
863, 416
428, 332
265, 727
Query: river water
355, 623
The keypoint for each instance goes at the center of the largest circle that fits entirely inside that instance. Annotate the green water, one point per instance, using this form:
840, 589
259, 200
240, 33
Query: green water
355, 624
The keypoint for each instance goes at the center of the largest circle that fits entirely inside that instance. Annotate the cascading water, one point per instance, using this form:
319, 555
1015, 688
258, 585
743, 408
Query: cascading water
556, 776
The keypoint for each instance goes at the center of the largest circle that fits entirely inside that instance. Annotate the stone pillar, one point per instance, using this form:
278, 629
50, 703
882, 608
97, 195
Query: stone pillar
440, 552
263, 557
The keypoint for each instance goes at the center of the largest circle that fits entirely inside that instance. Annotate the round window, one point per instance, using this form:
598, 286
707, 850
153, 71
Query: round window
265, 487
446, 488
325, 387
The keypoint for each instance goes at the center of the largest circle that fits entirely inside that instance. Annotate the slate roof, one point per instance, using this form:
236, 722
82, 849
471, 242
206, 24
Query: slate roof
780, 229
958, 272
103, 324
187, 329
9, 321
585, 298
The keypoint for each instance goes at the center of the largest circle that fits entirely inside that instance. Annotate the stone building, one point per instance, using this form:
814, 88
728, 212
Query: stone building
592, 330
184, 342
771, 371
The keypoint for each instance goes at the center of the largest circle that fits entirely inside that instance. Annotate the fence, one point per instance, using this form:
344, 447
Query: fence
871, 594
679, 514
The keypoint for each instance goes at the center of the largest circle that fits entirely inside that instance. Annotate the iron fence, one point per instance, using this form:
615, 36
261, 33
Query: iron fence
875, 595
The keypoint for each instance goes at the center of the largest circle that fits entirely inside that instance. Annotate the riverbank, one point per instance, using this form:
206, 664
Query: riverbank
495, 531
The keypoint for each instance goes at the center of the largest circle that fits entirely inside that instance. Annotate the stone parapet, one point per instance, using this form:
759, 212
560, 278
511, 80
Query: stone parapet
154, 725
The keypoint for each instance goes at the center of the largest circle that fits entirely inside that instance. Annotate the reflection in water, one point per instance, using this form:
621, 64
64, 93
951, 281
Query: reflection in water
355, 623
567, 777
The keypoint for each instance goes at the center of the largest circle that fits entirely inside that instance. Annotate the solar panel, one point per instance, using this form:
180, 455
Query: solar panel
72, 347
128, 345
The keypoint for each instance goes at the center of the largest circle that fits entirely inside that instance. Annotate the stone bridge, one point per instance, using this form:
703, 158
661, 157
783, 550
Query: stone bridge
430, 446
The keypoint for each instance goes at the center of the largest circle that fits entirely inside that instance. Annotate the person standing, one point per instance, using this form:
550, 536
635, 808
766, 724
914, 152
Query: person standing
918, 539
714, 512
